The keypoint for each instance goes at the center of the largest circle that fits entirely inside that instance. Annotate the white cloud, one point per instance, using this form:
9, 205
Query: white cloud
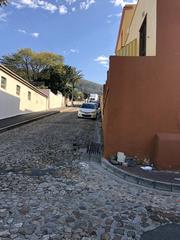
3, 16
19, 4
103, 60
86, 4
111, 16
122, 3
47, 5
70, 2
74, 50
22, 31
115, 15
118, 15
63, 9
71, 51
35, 35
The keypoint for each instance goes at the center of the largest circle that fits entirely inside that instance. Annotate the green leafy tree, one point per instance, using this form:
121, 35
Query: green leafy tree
56, 78
74, 79
44, 68
86, 95
29, 64
78, 95
17, 63
62, 78
44, 60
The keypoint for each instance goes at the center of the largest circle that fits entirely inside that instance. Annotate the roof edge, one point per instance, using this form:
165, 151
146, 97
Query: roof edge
21, 80
122, 19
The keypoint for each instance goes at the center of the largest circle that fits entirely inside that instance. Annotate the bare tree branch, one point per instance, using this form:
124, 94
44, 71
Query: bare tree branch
3, 2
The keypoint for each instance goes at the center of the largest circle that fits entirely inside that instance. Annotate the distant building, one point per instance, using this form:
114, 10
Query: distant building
142, 92
18, 96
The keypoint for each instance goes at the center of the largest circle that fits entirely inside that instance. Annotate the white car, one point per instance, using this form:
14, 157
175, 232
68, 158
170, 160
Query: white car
88, 110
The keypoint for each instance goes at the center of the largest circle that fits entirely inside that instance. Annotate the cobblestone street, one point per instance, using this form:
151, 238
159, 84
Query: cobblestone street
50, 190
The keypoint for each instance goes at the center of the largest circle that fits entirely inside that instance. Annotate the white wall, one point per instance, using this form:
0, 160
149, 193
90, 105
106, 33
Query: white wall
55, 101
11, 104
144, 7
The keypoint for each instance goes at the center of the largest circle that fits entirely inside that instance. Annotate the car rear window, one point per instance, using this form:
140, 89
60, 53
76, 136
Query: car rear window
89, 106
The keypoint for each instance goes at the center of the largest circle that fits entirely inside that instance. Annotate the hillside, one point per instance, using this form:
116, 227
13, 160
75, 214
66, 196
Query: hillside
90, 87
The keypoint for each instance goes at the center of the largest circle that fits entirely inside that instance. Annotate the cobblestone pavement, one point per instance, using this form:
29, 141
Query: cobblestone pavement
50, 190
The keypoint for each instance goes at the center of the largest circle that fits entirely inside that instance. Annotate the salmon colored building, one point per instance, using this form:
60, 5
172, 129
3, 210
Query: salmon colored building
142, 92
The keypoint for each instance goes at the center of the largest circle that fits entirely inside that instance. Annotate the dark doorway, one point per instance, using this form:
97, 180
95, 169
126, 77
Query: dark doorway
143, 32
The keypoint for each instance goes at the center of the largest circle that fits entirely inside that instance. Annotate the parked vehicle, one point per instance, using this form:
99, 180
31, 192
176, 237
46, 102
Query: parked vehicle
88, 110
93, 97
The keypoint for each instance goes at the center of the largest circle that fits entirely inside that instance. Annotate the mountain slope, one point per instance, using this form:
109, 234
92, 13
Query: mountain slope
90, 87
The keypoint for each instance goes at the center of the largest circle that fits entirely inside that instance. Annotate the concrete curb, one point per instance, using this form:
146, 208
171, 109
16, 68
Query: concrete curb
146, 182
26, 121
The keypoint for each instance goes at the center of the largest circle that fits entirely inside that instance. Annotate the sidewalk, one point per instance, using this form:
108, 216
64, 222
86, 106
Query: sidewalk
162, 176
12, 122
159, 180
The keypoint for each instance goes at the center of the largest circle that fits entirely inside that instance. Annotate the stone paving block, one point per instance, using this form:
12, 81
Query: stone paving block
69, 197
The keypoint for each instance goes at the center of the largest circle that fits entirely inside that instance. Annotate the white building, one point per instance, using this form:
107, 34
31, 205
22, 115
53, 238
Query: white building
18, 96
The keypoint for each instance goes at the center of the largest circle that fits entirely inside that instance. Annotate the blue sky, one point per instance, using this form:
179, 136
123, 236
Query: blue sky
83, 31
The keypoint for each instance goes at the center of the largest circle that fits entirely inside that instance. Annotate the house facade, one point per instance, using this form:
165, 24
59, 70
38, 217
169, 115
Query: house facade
141, 95
137, 33
18, 96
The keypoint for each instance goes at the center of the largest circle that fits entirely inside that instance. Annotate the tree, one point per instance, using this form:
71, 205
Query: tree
75, 77
44, 68
24, 57
16, 64
62, 78
29, 64
56, 78
78, 95
86, 95
3, 2
44, 60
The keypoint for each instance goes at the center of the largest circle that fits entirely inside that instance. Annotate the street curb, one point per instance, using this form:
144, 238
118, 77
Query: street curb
27, 121
146, 182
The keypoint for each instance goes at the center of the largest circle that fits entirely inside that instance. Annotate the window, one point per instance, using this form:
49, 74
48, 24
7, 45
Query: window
88, 106
18, 90
29, 96
3, 82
